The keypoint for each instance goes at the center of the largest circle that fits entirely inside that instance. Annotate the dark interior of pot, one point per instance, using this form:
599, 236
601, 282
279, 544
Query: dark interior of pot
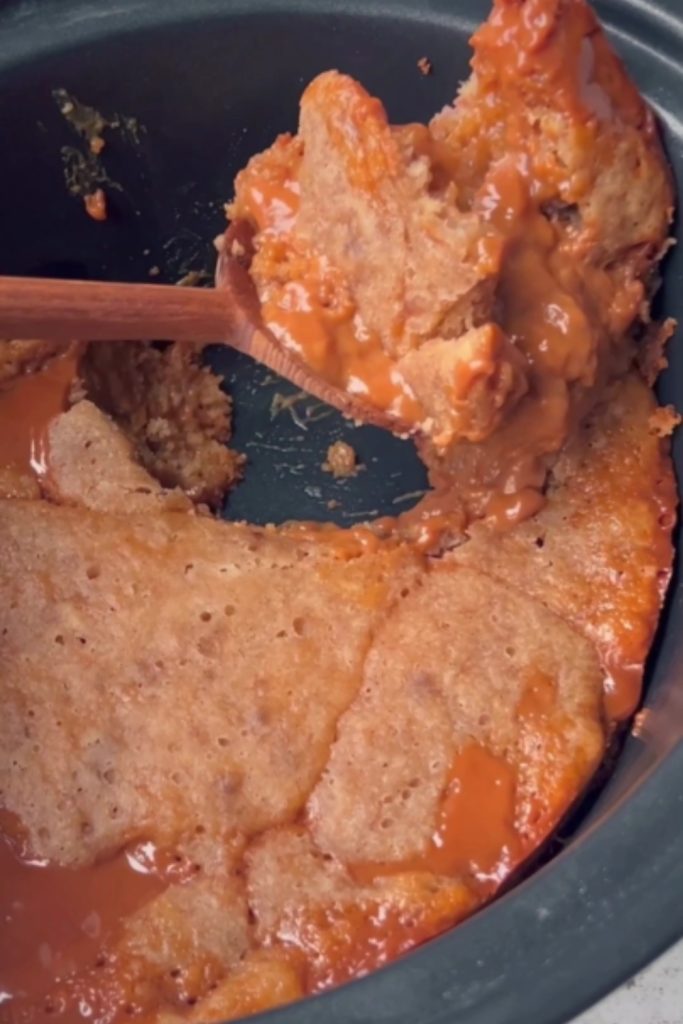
194, 91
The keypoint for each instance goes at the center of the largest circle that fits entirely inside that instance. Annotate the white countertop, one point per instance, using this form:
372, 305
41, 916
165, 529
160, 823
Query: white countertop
655, 996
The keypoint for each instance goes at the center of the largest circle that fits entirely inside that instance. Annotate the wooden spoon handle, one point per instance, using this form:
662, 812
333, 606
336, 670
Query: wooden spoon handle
100, 311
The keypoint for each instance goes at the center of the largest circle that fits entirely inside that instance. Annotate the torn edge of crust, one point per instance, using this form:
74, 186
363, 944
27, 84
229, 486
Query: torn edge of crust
652, 358
174, 411
169, 405
664, 420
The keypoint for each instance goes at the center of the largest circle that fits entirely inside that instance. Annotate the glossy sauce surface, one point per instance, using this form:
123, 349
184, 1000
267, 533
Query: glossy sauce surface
313, 314
56, 921
27, 406
475, 836
569, 319
475, 843
564, 309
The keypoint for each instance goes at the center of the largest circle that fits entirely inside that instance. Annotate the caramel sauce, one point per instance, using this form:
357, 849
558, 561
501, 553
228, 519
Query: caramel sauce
568, 56
311, 312
27, 407
476, 833
561, 312
343, 543
339, 943
544, 804
475, 843
58, 924
623, 687
568, 319
475, 836
562, 306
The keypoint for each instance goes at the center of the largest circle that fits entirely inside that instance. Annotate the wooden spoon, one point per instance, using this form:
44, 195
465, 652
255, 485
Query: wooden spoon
229, 314
101, 311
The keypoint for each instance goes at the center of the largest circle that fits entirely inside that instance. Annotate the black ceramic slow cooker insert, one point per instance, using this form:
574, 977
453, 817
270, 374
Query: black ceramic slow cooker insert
211, 82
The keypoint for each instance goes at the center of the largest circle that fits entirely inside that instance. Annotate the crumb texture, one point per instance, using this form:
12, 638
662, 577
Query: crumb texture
173, 409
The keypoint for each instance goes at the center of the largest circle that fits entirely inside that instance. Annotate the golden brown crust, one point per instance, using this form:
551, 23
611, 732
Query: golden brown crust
304, 900
227, 601
127, 722
449, 688
91, 463
600, 552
